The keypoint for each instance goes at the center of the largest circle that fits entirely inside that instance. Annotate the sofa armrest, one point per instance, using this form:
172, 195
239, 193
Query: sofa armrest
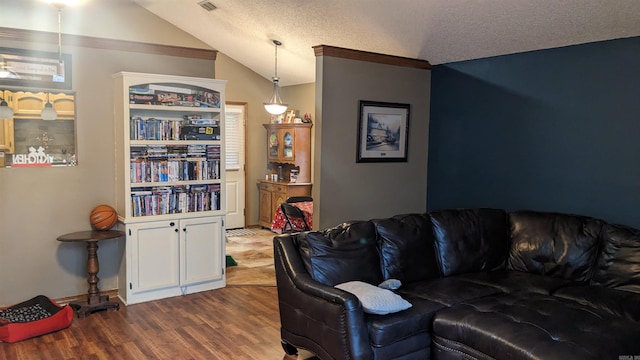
322, 319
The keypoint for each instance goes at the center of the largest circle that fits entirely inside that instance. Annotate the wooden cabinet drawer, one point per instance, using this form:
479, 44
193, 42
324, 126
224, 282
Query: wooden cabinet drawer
273, 187
266, 187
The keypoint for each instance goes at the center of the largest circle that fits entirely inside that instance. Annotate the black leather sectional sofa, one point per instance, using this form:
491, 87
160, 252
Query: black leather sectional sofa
482, 283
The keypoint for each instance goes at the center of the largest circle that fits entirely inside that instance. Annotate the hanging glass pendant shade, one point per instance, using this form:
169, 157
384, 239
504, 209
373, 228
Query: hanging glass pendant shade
5, 111
48, 112
275, 106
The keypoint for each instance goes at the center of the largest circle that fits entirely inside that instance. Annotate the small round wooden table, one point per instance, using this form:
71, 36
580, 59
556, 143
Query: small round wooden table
95, 301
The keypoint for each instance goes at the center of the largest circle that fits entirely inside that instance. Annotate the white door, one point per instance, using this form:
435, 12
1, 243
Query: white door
234, 141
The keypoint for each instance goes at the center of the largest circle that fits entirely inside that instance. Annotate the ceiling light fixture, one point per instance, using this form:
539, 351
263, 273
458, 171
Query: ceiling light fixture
275, 105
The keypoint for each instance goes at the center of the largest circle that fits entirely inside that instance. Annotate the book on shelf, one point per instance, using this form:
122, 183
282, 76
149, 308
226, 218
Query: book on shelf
179, 199
141, 90
143, 99
173, 95
200, 132
170, 129
170, 89
170, 169
199, 120
140, 191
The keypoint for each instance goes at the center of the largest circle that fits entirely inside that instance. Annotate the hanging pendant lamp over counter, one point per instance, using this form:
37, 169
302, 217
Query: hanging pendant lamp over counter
275, 105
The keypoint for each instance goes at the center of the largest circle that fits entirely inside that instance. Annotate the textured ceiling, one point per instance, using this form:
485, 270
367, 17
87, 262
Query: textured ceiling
439, 31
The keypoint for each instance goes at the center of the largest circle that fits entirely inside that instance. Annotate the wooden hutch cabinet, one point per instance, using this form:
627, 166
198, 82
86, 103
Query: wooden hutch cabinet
288, 148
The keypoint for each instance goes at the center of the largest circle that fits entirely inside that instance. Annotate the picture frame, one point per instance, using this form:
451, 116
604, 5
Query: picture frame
383, 132
35, 69
290, 116
277, 119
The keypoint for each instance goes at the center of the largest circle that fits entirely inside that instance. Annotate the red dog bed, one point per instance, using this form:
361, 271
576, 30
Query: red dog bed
34, 317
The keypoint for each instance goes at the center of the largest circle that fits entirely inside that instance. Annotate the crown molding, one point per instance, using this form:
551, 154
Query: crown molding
325, 50
23, 35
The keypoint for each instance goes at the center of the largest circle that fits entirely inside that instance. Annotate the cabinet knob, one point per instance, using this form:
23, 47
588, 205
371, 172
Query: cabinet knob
176, 230
172, 224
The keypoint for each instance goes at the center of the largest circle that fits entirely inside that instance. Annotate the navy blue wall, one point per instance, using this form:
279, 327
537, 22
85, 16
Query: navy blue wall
549, 130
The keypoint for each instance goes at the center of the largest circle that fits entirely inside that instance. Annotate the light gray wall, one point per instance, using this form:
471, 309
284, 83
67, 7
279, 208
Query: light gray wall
245, 85
343, 189
39, 204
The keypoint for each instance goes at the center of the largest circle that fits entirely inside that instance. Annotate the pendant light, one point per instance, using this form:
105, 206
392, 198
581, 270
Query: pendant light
275, 105
5, 111
48, 112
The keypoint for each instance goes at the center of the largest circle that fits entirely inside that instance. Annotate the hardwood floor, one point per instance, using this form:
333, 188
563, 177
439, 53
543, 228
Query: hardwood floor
236, 322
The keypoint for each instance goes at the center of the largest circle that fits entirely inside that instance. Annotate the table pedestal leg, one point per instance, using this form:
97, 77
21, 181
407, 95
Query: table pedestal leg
95, 301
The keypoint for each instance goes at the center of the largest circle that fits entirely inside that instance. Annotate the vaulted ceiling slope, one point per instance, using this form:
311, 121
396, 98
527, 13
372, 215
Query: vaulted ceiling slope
439, 31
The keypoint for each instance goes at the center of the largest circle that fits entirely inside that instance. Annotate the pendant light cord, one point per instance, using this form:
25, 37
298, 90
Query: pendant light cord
276, 43
59, 34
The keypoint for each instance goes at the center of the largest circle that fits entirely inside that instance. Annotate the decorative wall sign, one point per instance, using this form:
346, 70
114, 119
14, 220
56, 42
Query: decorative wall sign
39, 69
383, 132
32, 159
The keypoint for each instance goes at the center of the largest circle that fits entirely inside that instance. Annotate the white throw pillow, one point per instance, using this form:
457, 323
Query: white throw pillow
375, 300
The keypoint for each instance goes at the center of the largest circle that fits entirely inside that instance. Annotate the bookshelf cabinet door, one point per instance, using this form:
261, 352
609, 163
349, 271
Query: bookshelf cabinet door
201, 250
155, 256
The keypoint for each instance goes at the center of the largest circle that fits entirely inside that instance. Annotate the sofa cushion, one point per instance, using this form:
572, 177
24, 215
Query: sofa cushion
406, 248
558, 245
619, 263
347, 252
470, 240
517, 281
375, 300
532, 326
619, 303
446, 291
388, 329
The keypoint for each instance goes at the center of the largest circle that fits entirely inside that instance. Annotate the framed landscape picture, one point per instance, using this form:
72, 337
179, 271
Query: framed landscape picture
383, 132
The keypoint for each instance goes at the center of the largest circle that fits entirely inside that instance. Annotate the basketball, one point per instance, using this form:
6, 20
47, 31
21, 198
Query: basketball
103, 217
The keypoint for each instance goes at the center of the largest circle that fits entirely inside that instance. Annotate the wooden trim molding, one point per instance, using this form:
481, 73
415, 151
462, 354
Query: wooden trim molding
325, 50
23, 35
